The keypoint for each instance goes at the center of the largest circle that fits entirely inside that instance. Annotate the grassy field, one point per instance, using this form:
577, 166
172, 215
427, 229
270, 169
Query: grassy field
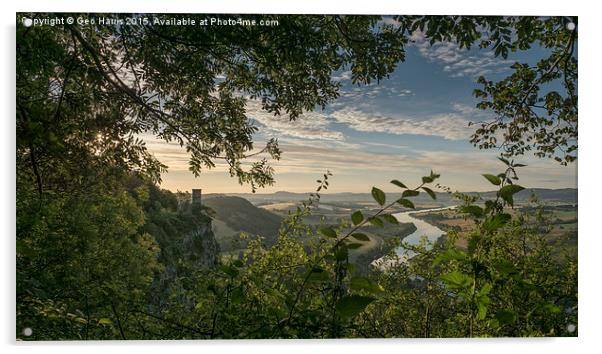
561, 220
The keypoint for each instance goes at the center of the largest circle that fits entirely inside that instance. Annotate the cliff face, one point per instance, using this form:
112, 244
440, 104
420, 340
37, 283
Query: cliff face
200, 247
183, 232
195, 249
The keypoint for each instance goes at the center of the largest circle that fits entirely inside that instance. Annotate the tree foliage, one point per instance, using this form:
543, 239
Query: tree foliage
108, 84
534, 108
103, 253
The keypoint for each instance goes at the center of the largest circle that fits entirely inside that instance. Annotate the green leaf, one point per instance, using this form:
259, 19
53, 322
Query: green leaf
376, 221
430, 192
493, 179
341, 253
505, 316
510, 190
366, 284
482, 307
409, 193
353, 246
427, 179
506, 192
504, 161
485, 289
357, 217
406, 203
398, 184
328, 232
378, 195
457, 280
105, 321
390, 218
237, 295
551, 308
350, 306
360, 236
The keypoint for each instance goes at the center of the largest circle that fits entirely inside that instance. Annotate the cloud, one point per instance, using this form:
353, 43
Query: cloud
457, 62
369, 92
459, 169
466, 109
170, 154
316, 141
313, 148
318, 125
310, 125
452, 126
344, 76
349, 160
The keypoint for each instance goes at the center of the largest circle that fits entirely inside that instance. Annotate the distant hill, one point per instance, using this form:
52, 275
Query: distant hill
235, 214
564, 195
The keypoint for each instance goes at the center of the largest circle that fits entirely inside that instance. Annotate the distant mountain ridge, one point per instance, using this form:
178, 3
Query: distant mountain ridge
563, 195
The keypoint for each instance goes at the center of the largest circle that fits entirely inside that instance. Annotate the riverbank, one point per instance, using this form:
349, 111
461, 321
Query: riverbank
382, 240
422, 229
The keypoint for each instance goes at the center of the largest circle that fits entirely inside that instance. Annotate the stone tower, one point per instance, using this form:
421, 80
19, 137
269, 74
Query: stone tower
196, 199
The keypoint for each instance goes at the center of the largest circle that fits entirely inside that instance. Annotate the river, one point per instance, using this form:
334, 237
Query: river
423, 228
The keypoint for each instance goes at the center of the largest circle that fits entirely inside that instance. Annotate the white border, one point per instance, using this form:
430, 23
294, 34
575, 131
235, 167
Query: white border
589, 179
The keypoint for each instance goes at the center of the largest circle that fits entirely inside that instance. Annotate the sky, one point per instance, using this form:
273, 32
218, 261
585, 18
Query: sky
401, 128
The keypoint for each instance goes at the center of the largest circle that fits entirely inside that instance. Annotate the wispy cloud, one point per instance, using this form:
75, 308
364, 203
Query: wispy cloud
451, 126
319, 125
314, 159
466, 109
373, 91
458, 62
310, 125
316, 140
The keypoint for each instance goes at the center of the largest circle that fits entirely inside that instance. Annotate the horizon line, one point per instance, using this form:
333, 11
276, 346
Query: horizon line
386, 191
